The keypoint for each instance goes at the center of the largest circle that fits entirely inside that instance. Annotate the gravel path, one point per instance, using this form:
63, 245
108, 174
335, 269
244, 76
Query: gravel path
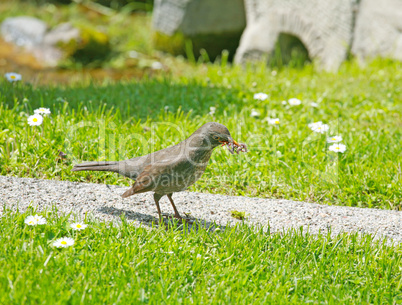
104, 203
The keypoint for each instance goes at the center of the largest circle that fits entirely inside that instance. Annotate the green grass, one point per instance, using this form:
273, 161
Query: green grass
99, 121
170, 265
238, 215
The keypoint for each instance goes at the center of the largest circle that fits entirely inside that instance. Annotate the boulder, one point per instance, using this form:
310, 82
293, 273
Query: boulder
378, 31
23, 31
201, 24
324, 27
32, 34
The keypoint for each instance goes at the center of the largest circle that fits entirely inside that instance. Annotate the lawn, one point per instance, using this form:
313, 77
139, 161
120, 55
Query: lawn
120, 120
171, 265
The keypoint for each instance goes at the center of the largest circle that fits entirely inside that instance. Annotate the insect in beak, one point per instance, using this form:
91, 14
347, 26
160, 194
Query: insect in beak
233, 146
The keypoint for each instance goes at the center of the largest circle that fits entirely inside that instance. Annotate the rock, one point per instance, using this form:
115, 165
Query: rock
49, 56
323, 26
31, 34
24, 31
208, 24
378, 30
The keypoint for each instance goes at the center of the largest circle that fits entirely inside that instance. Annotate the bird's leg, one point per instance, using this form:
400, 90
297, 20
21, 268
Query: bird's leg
157, 197
176, 212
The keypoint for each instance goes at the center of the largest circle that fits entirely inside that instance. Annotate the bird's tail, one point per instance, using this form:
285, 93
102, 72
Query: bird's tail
128, 193
108, 166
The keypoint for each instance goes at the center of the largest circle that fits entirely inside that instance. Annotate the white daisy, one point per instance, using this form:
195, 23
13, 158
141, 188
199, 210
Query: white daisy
42, 111
40, 219
30, 221
260, 96
294, 102
334, 139
63, 242
284, 102
35, 120
35, 220
254, 113
78, 226
313, 125
274, 121
322, 128
13, 77
313, 104
337, 147
212, 110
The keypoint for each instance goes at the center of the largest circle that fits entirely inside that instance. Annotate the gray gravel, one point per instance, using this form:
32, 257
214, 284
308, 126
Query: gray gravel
103, 202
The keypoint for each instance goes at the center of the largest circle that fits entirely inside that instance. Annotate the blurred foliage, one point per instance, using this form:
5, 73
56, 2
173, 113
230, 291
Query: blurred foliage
127, 5
91, 50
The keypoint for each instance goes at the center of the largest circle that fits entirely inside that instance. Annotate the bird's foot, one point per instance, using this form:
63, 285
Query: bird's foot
187, 219
180, 219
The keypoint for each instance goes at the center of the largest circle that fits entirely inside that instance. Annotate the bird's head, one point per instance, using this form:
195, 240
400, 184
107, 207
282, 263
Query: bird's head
216, 134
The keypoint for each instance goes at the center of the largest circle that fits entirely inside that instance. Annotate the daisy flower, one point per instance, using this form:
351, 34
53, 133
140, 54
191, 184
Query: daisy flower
322, 128
260, 96
318, 127
35, 220
63, 242
254, 113
274, 121
284, 102
337, 147
42, 111
30, 221
78, 226
212, 110
334, 139
35, 120
294, 102
13, 77
313, 125
313, 104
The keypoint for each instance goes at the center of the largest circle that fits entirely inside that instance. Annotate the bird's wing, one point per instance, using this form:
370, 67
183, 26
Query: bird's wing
151, 176
143, 183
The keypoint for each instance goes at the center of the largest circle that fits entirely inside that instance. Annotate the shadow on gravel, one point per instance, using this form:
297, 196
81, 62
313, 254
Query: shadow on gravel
192, 223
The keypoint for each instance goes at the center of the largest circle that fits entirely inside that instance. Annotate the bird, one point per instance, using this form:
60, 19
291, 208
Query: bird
172, 169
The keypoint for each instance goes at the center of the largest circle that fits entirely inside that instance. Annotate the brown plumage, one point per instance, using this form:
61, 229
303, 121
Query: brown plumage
172, 169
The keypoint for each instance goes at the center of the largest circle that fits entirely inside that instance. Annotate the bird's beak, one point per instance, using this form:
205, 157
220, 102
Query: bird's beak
229, 141
235, 143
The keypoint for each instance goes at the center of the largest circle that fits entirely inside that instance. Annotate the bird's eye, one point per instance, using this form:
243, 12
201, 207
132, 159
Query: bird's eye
216, 137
